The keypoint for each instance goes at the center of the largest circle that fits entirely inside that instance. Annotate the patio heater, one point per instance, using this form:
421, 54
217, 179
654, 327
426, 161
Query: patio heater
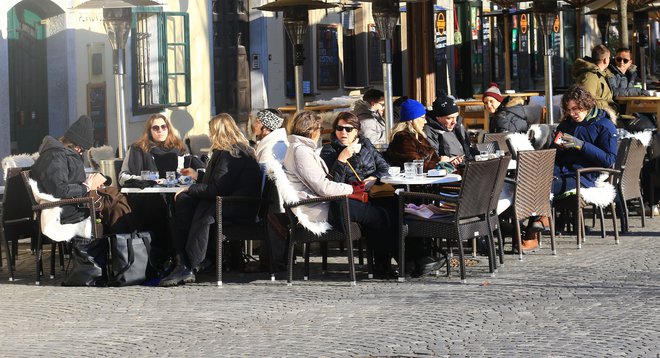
296, 19
117, 23
545, 12
386, 16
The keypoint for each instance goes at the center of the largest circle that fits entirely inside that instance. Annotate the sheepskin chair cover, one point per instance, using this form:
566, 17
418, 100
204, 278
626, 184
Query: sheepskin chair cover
17, 161
289, 195
50, 219
95, 155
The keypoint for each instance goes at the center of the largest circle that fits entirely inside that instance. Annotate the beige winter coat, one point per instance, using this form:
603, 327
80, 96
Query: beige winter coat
308, 175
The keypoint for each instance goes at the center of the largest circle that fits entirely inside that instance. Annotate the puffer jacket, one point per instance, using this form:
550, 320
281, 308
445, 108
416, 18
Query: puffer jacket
623, 84
367, 162
372, 125
509, 119
406, 148
60, 171
308, 175
594, 80
445, 142
599, 149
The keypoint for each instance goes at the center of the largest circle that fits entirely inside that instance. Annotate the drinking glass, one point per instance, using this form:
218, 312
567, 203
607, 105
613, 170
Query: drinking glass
154, 176
419, 167
145, 174
483, 155
170, 178
409, 169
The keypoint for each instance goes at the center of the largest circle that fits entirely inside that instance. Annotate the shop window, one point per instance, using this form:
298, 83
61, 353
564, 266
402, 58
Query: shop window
161, 60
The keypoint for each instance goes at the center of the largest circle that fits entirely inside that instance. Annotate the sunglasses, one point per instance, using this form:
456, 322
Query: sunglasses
162, 127
339, 128
621, 59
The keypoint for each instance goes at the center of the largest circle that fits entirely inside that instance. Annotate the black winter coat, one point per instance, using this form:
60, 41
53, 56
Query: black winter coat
225, 176
60, 171
509, 119
368, 162
623, 84
448, 143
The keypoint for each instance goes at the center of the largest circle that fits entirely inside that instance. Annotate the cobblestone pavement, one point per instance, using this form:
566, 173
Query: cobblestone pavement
602, 300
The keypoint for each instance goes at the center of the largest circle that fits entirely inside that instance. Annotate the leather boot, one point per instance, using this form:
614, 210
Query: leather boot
538, 224
531, 241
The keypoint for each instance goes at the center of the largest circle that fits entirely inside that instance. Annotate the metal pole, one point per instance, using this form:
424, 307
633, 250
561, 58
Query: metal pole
507, 50
548, 82
386, 57
118, 58
299, 55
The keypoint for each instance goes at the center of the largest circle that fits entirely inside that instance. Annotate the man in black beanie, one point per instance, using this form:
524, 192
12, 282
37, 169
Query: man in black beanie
444, 130
60, 170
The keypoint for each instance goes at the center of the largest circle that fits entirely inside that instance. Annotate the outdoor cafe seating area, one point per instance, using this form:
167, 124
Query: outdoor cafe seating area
510, 178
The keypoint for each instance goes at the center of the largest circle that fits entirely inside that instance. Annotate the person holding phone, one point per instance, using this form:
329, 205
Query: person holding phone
60, 171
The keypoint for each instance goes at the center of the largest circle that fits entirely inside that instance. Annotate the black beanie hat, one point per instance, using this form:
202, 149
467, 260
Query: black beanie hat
444, 106
81, 133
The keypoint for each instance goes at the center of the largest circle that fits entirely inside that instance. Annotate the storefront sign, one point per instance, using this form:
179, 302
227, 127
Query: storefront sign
523, 23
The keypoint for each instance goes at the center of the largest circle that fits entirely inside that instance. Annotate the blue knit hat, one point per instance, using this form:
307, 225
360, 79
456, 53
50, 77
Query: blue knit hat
411, 109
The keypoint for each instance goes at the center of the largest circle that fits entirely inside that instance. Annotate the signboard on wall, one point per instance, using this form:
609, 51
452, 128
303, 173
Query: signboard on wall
328, 56
97, 112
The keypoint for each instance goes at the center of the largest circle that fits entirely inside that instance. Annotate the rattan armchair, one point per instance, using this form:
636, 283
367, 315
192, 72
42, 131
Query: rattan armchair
533, 189
494, 220
37, 208
257, 230
17, 219
346, 233
471, 219
500, 138
631, 154
578, 201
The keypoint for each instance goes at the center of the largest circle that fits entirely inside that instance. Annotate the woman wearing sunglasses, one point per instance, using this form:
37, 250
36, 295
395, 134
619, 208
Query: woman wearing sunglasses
158, 144
348, 147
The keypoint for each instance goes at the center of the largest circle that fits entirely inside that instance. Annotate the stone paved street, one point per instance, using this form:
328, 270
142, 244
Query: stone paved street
603, 300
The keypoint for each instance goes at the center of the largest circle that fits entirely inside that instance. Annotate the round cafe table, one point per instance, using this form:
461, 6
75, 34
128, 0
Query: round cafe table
400, 179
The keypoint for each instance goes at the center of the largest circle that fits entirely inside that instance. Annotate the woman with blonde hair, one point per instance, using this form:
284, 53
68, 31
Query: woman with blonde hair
232, 170
409, 140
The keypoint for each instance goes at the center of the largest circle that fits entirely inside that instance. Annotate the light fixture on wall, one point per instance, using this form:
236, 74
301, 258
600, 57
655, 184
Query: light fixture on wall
117, 23
545, 12
296, 20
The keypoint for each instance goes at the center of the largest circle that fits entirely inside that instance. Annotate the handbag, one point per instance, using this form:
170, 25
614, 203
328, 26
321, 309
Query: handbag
129, 258
382, 190
89, 260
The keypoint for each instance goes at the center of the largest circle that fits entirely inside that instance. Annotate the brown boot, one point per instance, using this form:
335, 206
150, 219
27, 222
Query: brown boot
531, 242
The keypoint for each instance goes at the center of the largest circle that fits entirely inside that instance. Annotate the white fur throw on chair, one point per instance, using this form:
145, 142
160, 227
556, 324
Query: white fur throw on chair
95, 155
644, 137
519, 141
289, 195
50, 219
18, 161
601, 195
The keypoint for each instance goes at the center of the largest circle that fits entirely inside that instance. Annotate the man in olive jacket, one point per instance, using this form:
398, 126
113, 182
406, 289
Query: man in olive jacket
592, 74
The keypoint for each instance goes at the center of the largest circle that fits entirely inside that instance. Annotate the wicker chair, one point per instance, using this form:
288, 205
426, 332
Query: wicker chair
494, 220
257, 230
533, 188
631, 154
470, 220
19, 221
577, 202
500, 138
348, 232
86, 201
